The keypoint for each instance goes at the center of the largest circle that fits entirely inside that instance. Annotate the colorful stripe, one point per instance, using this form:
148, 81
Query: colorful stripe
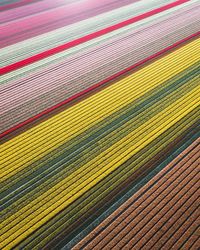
36, 92
83, 39
92, 134
24, 29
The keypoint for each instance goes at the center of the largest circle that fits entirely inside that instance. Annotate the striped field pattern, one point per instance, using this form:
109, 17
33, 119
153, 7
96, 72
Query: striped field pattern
99, 124
178, 185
